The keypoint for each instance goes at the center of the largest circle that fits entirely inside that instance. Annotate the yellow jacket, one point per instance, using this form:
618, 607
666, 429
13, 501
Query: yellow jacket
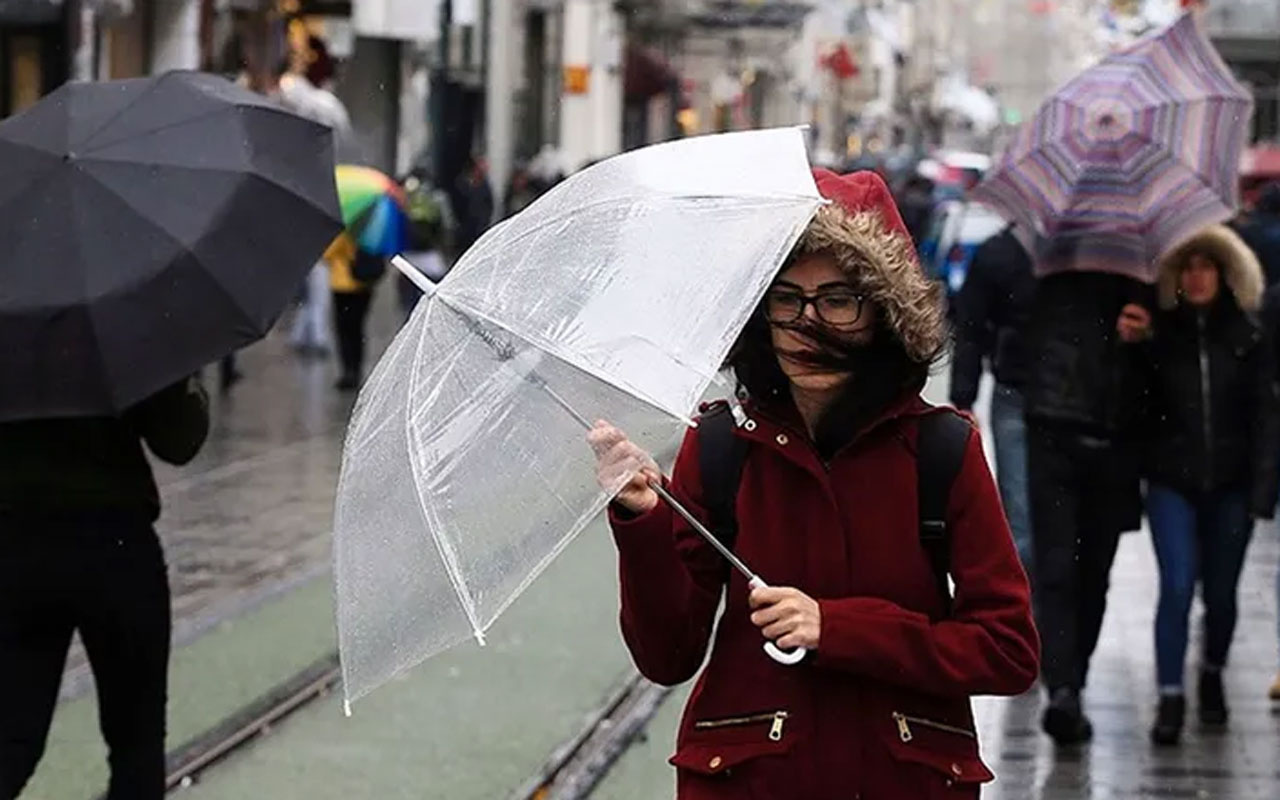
340, 256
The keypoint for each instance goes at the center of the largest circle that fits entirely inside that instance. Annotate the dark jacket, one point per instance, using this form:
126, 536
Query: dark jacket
1261, 231
1081, 377
97, 463
1210, 420
473, 209
991, 313
1270, 319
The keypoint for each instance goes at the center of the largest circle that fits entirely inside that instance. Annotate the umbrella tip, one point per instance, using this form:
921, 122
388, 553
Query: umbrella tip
480, 637
346, 708
414, 274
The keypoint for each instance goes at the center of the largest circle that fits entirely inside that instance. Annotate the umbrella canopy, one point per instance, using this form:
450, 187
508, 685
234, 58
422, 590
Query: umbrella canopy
1128, 159
374, 209
616, 295
149, 227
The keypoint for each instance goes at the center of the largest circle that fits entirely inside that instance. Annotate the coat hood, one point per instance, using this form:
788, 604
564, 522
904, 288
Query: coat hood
863, 231
1241, 271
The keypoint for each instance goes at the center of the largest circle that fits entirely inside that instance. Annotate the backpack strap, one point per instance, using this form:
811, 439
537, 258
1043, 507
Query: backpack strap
721, 456
941, 440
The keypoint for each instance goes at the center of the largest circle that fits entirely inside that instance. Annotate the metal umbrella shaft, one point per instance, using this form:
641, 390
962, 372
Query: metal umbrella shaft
697, 525
506, 352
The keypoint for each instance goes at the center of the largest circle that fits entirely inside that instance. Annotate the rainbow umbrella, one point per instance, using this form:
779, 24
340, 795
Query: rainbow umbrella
373, 209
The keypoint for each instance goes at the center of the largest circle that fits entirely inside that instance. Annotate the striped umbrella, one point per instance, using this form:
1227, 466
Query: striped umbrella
1127, 159
373, 209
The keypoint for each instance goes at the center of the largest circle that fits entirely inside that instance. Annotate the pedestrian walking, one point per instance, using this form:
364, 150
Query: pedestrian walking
310, 333
229, 373
473, 203
1260, 229
1271, 329
1082, 469
991, 316
352, 275
78, 552
823, 499
429, 226
917, 206
1209, 456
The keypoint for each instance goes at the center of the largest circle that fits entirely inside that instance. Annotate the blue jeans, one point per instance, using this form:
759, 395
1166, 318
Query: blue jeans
1197, 538
1009, 430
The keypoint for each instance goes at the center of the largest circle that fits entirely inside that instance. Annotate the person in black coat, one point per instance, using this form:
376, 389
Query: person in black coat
991, 313
78, 552
1209, 455
1261, 231
1082, 468
1271, 329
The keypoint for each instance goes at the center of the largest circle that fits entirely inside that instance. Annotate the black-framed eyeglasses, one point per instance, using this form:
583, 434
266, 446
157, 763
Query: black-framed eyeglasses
838, 308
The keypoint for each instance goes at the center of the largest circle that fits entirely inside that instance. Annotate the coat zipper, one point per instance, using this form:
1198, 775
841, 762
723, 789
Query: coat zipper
1206, 402
905, 723
777, 718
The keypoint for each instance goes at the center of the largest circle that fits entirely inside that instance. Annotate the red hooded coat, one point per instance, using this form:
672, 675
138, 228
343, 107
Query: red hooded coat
881, 711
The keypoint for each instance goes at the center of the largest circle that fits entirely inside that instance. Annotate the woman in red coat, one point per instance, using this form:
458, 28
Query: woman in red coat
833, 363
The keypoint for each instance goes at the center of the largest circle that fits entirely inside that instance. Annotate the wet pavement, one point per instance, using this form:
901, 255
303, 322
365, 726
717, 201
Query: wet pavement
1240, 763
246, 531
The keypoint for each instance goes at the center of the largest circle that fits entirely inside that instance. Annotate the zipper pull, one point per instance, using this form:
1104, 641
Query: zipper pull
904, 730
775, 730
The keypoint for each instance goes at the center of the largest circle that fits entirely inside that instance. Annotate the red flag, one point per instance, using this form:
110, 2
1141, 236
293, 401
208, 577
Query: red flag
841, 63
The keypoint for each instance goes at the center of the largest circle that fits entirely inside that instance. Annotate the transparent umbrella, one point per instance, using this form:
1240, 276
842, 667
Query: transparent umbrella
615, 296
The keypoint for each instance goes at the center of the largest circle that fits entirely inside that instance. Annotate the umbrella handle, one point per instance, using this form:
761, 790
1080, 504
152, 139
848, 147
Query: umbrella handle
786, 657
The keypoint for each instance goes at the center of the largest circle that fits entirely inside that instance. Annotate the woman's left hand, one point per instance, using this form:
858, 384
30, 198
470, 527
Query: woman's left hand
787, 617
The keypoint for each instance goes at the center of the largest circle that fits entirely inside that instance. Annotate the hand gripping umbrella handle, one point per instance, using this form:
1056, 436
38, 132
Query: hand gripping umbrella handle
787, 657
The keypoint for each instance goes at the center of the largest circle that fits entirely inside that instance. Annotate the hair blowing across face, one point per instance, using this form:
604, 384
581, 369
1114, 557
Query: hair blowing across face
880, 372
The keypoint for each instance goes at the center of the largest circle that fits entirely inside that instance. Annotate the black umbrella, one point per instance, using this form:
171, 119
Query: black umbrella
148, 227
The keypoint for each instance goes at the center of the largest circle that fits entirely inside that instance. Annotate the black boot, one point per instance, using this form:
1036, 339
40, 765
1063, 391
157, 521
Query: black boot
1213, 700
1169, 717
1064, 719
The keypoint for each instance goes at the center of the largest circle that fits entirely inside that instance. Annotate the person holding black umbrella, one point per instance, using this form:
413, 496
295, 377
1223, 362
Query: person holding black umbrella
78, 552
166, 222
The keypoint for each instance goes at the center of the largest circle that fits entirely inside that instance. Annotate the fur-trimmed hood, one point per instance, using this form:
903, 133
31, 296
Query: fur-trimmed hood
863, 231
1241, 271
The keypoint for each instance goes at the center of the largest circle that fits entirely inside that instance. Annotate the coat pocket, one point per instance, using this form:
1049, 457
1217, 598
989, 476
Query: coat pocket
950, 752
743, 757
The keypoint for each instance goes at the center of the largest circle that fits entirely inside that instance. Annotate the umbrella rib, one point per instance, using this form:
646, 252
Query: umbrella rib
120, 113
47, 153
449, 556
537, 570
554, 349
193, 120
36, 182
246, 173
152, 225
247, 234
435, 527
577, 211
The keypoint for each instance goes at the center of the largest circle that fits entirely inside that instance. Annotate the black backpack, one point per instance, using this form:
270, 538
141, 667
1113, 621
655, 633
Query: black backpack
368, 268
940, 447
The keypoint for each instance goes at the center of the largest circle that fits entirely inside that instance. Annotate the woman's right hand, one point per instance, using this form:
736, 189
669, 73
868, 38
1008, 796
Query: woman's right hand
616, 455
